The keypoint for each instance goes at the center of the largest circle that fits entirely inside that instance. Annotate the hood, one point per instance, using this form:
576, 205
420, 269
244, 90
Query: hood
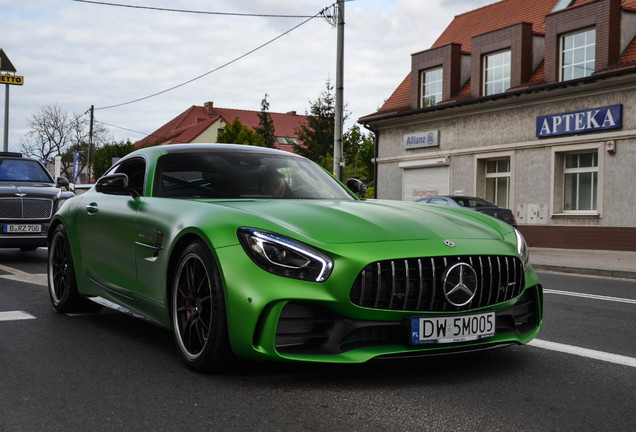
367, 220
46, 190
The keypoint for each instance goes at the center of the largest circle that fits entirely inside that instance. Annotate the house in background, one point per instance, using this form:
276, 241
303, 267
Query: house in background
530, 104
202, 124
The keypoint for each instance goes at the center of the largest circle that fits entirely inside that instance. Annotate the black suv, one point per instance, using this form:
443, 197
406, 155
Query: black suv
28, 199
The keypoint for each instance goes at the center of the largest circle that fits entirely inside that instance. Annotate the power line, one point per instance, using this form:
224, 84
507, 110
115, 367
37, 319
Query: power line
191, 11
130, 130
321, 13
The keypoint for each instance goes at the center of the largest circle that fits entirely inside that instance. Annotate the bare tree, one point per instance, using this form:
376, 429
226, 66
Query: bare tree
48, 134
53, 132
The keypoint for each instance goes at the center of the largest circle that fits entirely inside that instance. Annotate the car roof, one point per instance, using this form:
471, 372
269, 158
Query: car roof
12, 155
213, 147
164, 149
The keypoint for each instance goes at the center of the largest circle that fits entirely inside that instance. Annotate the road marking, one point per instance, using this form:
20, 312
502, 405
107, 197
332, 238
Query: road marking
590, 296
20, 276
584, 352
15, 315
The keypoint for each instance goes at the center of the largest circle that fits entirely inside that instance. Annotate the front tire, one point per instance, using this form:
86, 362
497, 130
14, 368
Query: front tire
61, 275
198, 311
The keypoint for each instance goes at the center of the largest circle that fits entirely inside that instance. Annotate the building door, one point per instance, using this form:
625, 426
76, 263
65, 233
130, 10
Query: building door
422, 182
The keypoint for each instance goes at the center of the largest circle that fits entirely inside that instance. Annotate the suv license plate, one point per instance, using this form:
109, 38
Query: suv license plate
449, 329
22, 228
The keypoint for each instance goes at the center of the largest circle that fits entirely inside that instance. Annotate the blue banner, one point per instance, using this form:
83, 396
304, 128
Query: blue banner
590, 120
76, 166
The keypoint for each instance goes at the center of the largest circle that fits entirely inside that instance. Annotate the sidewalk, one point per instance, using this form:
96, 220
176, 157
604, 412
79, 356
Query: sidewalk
618, 264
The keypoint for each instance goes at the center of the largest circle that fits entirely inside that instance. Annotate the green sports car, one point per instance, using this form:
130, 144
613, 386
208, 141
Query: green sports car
261, 254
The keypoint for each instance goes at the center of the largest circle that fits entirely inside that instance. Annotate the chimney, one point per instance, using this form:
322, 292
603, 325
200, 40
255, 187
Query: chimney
291, 112
209, 106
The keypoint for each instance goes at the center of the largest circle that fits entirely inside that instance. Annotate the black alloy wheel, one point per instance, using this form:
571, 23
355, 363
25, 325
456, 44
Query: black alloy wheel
198, 311
61, 274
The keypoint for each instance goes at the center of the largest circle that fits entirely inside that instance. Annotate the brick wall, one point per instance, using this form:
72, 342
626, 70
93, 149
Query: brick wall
580, 237
604, 15
449, 58
516, 38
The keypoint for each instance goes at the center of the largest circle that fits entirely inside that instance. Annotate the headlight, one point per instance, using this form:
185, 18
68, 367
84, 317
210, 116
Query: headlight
60, 202
283, 256
522, 249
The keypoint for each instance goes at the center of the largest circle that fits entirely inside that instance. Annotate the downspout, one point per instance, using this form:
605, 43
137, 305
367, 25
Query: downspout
376, 136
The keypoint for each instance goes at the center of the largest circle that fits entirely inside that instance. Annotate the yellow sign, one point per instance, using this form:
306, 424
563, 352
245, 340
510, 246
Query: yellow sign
11, 79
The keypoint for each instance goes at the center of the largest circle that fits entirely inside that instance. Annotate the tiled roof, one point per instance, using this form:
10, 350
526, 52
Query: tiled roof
486, 19
629, 5
493, 17
629, 55
197, 119
400, 99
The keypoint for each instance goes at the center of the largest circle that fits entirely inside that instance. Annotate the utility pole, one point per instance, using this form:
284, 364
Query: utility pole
5, 141
7, 66
90, 145
338, 162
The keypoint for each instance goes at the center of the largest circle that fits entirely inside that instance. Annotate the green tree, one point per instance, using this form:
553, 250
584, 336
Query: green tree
68, 159
238, 133
317, 135
265, 128
359, 150
103, 157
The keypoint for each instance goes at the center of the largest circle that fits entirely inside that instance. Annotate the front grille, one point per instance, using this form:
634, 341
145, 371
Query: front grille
314, 329
311, 329
26, 208
415, 284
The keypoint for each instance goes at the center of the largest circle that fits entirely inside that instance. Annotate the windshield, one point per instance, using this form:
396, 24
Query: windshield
23, 170
243, 175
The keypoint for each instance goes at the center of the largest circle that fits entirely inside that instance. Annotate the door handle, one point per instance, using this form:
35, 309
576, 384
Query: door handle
91, 208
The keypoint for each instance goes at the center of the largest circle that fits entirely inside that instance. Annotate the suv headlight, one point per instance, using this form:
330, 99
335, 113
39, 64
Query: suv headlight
60, 202
522, 249
284, 256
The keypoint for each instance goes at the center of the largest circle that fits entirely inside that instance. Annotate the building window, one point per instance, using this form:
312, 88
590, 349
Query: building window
498, 181
562, 4
431, 87
580, 184
578, 54
496, 72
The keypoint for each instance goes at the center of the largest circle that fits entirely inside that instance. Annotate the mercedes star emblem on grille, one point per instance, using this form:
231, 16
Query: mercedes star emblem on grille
459, 284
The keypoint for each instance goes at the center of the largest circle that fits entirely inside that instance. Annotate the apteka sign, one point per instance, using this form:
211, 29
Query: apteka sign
590, 120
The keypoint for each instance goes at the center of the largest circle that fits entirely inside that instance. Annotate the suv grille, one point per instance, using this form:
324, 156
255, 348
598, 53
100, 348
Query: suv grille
415, 284
26, 208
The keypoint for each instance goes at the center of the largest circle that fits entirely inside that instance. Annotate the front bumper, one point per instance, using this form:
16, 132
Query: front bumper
275, 318
309, 329
23, 240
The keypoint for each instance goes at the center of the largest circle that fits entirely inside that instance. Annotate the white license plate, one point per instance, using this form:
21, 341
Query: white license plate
449, 329
22, 228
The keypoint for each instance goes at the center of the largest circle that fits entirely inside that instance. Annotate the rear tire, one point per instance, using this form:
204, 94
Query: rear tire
198, 310
61, 276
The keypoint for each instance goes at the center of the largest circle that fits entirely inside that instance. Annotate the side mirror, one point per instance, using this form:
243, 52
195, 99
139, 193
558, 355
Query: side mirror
62, 182
114, 184
357, 187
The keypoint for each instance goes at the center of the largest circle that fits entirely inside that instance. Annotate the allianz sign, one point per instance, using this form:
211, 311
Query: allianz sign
590, 120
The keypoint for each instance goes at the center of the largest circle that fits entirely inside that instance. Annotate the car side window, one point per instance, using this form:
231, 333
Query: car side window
439, 201
135, 169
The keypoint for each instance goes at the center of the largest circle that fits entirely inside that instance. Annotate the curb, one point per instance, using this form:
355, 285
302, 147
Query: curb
620, 274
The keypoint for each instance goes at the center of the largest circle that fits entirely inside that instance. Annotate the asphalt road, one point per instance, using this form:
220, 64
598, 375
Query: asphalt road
108, 371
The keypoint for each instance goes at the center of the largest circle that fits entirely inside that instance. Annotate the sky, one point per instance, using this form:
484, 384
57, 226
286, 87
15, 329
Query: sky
74, 54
